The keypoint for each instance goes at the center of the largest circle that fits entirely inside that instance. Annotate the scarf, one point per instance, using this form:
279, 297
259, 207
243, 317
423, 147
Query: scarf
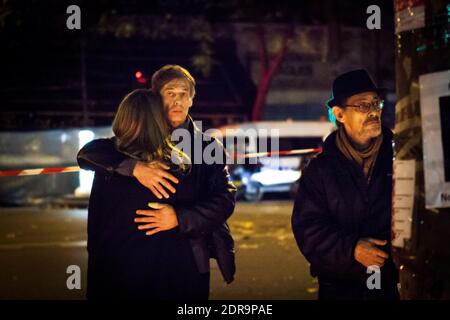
366, 158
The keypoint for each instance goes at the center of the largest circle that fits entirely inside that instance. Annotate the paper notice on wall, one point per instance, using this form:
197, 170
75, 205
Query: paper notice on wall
403, 200
435, 114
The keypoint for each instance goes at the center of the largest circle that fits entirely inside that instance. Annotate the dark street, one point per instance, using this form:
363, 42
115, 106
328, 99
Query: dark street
37, 245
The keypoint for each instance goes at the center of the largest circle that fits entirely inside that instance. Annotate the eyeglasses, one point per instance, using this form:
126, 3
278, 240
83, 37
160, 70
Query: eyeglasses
365, 107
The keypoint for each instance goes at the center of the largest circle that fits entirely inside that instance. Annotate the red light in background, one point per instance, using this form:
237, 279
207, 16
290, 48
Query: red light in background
140, 77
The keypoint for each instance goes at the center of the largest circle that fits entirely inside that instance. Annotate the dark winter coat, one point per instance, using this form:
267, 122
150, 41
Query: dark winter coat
204, 200
335, 207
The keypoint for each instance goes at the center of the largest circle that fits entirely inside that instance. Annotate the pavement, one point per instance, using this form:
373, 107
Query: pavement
38, 244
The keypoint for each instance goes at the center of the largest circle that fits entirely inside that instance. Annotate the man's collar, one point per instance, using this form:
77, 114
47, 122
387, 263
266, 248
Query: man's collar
184, 125
189, 125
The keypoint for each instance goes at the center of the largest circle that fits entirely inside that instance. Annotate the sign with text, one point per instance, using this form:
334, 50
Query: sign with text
435, 114
403, 200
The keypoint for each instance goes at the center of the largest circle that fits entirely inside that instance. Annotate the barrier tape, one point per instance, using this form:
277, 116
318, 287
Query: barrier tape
39, 171
281, 153
33, 172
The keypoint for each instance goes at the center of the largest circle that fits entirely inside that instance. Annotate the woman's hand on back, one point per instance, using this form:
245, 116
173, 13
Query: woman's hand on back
162, 217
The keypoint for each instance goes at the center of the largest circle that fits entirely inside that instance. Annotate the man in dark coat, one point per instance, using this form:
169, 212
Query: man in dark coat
342, 213
198, 211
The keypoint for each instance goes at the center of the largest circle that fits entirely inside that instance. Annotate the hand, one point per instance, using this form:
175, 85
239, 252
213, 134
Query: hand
154, 176
161, 219
368, 254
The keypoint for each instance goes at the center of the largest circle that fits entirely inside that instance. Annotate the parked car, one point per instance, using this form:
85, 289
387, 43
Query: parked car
271, 154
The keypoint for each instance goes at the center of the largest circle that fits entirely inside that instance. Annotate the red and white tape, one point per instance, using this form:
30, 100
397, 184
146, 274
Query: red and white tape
280, 153
39, 171
33, 172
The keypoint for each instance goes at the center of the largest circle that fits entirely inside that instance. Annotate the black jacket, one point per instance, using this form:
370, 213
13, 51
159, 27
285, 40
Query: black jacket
204, 200
335, 207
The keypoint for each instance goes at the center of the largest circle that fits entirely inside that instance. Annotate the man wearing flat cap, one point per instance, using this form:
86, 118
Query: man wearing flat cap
342, 213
